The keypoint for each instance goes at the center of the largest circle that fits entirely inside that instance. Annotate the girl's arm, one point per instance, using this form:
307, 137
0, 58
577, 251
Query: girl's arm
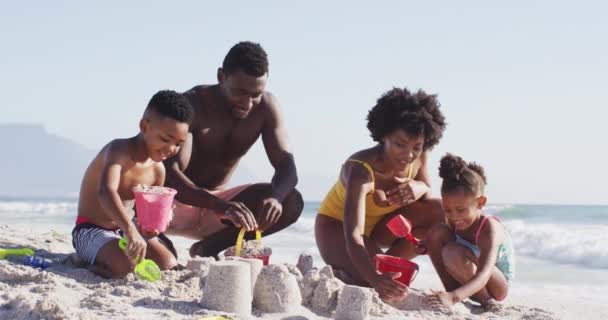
490, 239
358, 185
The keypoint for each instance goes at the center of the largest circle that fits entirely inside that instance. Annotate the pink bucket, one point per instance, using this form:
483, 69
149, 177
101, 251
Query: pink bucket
154, 209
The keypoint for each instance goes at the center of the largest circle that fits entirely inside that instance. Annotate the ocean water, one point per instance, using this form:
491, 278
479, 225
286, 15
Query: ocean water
554, 244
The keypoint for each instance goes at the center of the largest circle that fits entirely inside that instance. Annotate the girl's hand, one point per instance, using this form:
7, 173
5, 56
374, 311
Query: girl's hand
388, 287
406, 191
441, 299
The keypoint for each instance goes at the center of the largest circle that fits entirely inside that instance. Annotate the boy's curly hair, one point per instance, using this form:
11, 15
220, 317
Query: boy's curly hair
247, 56
417, 114
171, 104
458, 174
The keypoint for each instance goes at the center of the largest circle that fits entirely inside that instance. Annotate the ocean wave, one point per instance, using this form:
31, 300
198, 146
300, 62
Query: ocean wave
580, 244
16, 208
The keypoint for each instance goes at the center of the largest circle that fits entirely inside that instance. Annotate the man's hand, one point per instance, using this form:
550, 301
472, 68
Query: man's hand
240, 216
271, 212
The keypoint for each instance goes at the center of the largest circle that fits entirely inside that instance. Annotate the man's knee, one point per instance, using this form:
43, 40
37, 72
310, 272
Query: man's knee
293, 206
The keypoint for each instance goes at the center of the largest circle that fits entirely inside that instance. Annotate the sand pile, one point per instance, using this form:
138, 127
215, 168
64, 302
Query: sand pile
153, 189
250, 249
64, 291
277, 290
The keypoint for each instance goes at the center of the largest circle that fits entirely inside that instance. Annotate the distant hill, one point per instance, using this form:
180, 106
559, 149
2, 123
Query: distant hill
35, 163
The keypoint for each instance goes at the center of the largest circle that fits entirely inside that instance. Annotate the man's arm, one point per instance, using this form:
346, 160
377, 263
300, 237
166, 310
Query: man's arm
188, 191
274, 136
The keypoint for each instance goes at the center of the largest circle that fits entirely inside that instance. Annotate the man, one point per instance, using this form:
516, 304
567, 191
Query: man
229, 117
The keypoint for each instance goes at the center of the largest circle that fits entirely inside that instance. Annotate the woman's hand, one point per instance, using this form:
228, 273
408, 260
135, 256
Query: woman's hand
406, 191
388, 287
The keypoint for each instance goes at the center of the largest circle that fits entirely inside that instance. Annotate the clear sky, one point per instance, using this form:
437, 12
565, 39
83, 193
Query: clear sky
522, 84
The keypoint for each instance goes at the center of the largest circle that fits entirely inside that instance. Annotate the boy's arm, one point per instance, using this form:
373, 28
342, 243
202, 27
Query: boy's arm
112, 204
489, 241
285, 178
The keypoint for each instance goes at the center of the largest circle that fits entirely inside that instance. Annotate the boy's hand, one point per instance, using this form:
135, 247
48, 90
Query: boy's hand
136, 246
240, 216
147, 234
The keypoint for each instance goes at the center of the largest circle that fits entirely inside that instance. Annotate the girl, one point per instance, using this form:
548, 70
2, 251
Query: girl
472, 254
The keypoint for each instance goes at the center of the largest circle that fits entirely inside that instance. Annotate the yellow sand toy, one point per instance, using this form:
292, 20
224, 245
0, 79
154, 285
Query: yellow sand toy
239, 245
146, 269
16, 252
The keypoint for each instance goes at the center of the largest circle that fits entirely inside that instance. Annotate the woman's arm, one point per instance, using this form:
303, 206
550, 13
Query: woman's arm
410, 190
358, 185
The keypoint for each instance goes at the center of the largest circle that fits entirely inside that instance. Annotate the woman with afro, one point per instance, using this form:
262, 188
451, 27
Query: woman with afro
377, 183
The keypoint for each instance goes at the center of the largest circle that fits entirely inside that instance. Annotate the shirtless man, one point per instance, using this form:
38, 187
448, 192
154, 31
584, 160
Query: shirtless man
229, 117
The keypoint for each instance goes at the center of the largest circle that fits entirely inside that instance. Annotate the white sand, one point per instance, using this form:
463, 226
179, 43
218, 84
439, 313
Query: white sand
66, 292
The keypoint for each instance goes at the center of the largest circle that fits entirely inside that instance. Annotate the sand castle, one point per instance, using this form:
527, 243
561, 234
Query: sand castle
277, 290
228, 287
354, 303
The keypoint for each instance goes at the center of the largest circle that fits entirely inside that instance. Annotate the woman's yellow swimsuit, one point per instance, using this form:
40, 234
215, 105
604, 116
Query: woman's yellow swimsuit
333, 204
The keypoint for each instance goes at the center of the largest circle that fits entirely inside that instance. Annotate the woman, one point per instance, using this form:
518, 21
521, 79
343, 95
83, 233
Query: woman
378, 183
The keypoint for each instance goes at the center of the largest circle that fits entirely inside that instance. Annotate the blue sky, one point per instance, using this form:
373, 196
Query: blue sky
522, 84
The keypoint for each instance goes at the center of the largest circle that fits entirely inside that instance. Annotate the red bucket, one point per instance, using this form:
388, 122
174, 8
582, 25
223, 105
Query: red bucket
408, 269
265, 259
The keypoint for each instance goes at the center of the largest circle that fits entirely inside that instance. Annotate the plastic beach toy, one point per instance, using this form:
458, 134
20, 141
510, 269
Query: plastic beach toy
408, 269
146, 269
402, 228
15, 252
239, 245
154, 207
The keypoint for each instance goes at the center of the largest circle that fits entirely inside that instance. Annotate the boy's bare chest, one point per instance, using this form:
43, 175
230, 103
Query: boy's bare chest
131, 177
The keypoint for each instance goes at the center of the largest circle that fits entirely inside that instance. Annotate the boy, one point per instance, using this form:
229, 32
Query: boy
106, 197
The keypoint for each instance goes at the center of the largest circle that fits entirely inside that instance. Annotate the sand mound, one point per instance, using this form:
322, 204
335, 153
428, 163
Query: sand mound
276, 290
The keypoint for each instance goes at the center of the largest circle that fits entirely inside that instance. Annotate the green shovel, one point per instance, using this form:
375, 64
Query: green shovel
146, 269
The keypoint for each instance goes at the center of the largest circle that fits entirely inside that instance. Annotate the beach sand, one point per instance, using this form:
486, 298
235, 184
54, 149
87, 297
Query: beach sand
64, 291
